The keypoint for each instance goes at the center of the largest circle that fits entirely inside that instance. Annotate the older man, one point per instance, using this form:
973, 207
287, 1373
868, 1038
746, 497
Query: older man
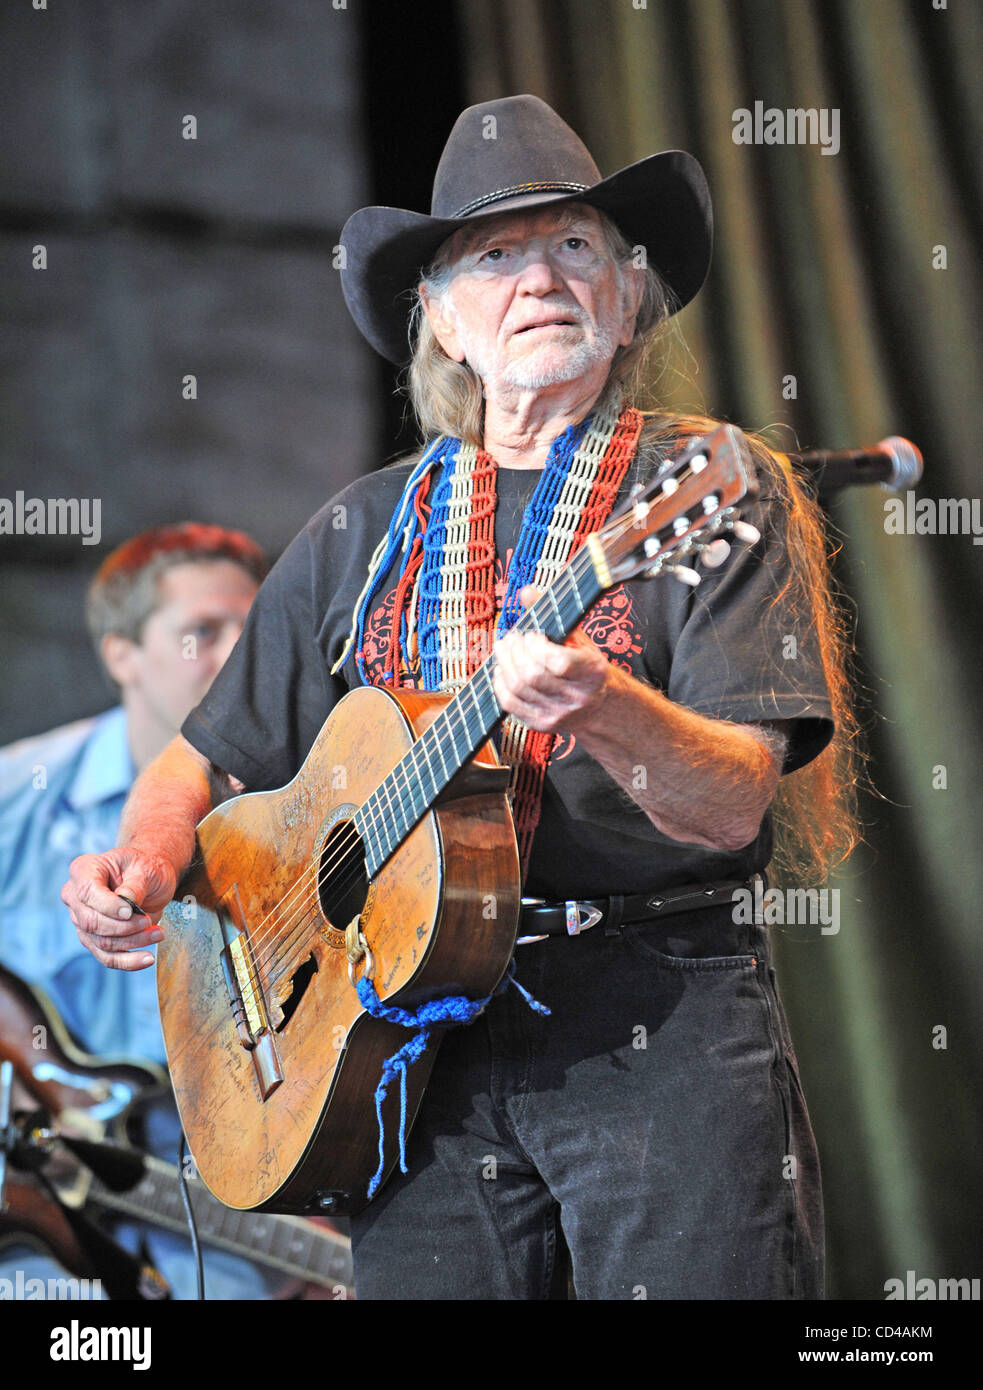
655, 1118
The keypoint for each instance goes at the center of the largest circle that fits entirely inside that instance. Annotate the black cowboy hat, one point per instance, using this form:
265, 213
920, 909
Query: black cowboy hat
518, 153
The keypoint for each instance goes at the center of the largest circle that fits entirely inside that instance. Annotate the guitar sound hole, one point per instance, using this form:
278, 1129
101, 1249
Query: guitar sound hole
342, 884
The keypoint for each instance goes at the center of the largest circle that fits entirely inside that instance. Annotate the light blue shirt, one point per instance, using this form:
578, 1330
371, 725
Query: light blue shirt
61, 795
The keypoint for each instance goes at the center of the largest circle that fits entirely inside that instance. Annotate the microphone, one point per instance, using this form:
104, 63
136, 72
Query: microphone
895, 462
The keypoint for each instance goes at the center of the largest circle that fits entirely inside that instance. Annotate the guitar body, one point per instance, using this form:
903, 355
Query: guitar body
277, 1098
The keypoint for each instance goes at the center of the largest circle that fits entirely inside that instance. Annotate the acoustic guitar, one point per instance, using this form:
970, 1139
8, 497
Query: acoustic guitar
391, 854
92, 1099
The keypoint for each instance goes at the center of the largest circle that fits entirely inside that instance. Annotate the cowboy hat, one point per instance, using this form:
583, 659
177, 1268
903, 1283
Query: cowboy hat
510, 154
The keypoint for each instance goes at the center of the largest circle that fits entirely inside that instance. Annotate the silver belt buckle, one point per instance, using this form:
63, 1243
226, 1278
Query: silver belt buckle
579, 918
575, 925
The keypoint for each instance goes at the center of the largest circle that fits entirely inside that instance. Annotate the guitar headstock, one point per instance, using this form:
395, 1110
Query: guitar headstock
684, 514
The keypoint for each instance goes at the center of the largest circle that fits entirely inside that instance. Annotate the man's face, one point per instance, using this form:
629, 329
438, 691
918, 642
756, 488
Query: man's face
535, 299
201, 609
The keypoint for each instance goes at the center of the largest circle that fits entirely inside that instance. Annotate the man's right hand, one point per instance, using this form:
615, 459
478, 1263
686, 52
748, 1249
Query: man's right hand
106, 925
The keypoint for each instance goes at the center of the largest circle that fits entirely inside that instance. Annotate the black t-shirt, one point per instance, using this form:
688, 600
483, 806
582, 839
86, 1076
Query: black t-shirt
729, 649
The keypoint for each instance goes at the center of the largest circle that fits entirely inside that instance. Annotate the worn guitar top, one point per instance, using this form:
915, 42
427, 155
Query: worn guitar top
722, 649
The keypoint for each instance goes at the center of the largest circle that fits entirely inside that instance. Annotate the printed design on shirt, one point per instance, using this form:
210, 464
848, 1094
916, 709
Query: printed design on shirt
609, 625
375, 647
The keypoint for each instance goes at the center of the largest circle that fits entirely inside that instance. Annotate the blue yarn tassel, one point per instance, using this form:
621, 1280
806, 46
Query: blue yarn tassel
453, 1010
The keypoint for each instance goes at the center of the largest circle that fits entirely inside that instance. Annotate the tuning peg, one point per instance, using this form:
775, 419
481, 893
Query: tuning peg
684, 574
715, 553
745, 532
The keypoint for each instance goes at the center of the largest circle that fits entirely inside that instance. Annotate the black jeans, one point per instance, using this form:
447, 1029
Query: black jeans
657, 1114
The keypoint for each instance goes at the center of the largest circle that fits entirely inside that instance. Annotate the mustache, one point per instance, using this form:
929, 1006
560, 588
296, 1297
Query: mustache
571, 313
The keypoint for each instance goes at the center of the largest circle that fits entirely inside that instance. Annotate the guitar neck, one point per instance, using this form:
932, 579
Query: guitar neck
289, 1244
418, 779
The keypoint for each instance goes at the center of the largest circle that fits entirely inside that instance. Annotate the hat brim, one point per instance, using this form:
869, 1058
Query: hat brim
661, 203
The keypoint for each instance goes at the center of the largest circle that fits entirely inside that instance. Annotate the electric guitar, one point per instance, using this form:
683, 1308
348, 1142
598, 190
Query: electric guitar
90, 1099
380, 858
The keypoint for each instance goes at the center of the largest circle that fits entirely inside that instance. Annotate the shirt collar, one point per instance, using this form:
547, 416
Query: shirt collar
106, 767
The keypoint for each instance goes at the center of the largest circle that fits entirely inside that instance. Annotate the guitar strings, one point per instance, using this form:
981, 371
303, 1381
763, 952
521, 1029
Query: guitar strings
309, 905
306, 897
344, 843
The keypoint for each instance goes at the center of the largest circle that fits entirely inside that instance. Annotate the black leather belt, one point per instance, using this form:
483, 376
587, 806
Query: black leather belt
540, 919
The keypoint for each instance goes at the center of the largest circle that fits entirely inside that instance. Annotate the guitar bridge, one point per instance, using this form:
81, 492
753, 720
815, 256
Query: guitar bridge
249, 1007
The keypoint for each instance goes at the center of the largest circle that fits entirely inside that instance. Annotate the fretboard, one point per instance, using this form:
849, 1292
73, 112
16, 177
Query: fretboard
390, 813
290, 1244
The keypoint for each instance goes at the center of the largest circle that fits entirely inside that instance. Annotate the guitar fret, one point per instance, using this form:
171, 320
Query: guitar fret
301, 1243
422, 744
574, 591
384, 806
217, 1223
397, 811
460, 752
551, 595
442, 761
485, 686
366, 824
369, 834
416, 778
569, 610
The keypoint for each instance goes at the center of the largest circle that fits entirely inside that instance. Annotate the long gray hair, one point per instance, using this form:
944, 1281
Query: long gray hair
447, 397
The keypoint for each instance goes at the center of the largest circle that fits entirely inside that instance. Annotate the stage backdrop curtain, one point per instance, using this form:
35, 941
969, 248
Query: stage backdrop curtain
854, 273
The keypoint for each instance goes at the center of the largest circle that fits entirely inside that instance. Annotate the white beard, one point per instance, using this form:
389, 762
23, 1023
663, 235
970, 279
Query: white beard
566, 365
